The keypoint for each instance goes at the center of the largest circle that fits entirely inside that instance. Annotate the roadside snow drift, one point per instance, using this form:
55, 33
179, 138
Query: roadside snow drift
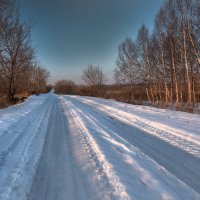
22, 135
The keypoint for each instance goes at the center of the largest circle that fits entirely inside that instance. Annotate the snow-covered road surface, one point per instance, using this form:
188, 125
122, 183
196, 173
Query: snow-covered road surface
70, 147
58, 176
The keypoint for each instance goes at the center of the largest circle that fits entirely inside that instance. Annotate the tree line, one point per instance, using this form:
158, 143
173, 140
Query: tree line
20, 72
94, 80
161, 67
167, 61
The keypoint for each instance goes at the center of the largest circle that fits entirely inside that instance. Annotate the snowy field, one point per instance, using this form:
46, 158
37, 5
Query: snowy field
71, 147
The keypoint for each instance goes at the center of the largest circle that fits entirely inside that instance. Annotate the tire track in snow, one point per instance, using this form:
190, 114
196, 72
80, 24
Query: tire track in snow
10, 139
190, 144
104, 175
146, 173
58, 176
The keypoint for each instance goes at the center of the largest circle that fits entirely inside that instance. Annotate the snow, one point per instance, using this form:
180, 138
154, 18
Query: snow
140, 176
22, 135
178, 128
72, 147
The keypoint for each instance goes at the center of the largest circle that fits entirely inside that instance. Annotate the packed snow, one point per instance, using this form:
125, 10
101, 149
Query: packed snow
73, 147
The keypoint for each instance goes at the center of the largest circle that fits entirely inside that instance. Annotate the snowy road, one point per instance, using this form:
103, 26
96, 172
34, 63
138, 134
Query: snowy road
69, 147
58, 176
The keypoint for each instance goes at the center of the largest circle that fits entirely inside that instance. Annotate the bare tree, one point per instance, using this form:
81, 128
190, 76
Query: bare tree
127, 71
39, 78
160, 35
168, 58
16, 51
143, 46
65, 87
94, 77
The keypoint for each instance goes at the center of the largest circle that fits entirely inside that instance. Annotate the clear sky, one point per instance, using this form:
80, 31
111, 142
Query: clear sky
70, 34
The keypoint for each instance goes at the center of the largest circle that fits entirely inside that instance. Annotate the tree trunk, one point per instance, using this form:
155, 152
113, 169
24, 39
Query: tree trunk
186, 66
174, 71
148, 97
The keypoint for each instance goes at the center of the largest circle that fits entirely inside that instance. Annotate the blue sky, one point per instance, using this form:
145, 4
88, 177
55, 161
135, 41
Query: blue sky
70, 34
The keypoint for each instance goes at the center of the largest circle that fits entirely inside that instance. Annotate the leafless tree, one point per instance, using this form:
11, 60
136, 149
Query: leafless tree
39, 78
65, 87
144, 50
127, 70
169, 57
16, 51
94, 78
17, 56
